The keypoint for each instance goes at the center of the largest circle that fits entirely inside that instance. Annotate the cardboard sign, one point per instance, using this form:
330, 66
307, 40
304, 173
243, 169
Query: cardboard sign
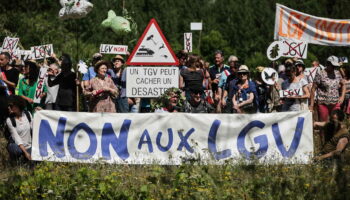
150, 81
172, 138
40, 86
196, 26
23, 54
293, 24
291, 92
41, 52
287, 48
152, 48
310, 73
188, 42
113, 49
9, 44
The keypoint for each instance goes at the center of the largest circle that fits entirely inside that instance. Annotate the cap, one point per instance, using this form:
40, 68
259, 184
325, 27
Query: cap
97, 55
232, 59
281, 68
299, 62
334, 60
118, 57
243, 68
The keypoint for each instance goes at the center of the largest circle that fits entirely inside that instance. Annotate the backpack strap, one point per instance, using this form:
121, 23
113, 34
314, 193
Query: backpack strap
28, 116
29, 120
13, 121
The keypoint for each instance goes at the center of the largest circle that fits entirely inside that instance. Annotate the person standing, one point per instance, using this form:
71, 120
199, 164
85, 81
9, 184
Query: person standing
28, 85
330, 89
119, 79
66, 94
10, 74
101, 90
294, 82
50, 101
243, 92
192, 76
215, 75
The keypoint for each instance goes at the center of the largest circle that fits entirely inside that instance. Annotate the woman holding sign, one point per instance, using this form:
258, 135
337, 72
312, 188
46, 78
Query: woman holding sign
101, 90
298, 91
28, 85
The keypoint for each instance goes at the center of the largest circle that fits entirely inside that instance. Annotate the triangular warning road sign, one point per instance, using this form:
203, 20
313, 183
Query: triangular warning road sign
152, 48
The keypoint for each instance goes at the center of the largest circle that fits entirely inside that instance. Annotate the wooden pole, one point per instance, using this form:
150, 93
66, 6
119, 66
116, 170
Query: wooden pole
200, 36
76, 59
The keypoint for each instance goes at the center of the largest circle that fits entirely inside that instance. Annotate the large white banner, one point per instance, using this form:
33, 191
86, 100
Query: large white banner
172, 138
293, 24
150, 82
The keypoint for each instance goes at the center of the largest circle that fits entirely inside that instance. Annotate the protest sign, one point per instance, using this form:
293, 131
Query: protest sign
152, 48
287, 48
41, 52
293, 24
40, 86
164, 138
113, 49
291, 92
310, 73
150, 81
188, 42
23, 54
196, 26
9, 44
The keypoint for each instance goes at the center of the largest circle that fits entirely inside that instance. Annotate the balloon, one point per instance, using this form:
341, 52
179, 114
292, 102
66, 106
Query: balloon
116, 23
74, 9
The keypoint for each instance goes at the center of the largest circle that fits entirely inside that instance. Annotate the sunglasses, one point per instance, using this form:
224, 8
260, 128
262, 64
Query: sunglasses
243, 73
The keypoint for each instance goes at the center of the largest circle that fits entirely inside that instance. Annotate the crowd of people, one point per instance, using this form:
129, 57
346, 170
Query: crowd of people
219, 88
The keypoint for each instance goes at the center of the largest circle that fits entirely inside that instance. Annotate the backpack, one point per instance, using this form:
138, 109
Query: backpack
7, 133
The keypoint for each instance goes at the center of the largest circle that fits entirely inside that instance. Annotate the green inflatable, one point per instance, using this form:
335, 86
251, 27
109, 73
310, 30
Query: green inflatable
116, 23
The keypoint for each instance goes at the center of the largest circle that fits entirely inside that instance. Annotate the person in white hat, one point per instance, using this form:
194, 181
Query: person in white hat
243, 92
330, 89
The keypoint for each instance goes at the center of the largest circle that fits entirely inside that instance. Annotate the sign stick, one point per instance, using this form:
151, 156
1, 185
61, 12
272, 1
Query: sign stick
199, 42
76, 59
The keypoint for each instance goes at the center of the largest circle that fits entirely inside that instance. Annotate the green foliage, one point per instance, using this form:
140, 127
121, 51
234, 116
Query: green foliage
239, 27
188, 181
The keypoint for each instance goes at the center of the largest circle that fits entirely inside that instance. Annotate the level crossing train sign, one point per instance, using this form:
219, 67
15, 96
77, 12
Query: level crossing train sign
152, 48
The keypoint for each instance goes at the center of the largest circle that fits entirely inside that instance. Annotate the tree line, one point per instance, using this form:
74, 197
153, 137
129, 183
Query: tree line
240, 27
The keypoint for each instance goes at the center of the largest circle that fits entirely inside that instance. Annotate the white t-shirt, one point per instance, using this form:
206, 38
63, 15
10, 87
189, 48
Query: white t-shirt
293, 104
51, 92
21, 133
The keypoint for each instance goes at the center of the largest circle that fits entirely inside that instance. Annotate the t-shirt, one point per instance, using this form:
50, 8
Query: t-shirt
21, 133
293, 104
12, 76
51, 92
215, 73
192, 79
328, 87
27, 90
67, 88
